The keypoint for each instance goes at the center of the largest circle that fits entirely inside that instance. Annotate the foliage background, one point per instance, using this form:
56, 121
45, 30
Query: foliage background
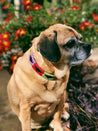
34, 16
77, 14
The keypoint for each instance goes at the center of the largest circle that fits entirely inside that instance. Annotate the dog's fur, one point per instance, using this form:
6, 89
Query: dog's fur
35, 99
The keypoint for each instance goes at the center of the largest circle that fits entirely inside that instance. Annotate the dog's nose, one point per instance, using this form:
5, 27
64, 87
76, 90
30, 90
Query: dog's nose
87, 47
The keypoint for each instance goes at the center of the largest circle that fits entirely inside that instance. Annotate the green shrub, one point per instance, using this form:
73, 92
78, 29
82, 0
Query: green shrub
36, 18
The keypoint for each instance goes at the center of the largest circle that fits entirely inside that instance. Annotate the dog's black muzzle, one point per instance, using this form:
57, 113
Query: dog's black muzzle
87, 48
81, 54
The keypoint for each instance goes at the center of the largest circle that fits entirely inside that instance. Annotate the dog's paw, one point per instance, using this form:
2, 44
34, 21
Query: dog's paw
65, 116
56, 126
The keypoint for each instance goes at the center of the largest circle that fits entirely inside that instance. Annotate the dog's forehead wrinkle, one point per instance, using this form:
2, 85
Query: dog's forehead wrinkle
70, 29
63, 38
63, 33
47, 36
75, 32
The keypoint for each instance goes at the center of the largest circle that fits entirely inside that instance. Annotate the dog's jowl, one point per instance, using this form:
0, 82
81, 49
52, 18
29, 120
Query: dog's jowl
37, 88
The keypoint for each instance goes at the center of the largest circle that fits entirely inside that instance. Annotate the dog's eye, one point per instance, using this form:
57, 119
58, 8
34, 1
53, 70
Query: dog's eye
70, 44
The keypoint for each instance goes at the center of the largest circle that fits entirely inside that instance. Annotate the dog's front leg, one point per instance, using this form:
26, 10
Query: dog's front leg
56, 122
25, 117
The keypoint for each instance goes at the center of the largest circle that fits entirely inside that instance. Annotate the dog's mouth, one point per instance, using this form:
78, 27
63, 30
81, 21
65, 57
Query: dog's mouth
81, 55
78, 61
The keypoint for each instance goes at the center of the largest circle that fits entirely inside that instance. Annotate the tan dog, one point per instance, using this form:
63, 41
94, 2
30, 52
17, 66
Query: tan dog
37, 88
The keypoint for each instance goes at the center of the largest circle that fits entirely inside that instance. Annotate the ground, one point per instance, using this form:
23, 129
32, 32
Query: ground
8, 121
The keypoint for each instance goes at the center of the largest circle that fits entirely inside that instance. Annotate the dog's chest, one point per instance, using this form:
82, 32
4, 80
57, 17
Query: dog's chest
57, 87
52, 85
50, 98
53, 91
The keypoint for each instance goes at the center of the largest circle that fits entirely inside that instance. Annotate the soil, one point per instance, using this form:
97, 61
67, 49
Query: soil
8, 121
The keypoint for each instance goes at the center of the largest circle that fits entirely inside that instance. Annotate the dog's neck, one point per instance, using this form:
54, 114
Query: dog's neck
38, 69
59, 73
47, 66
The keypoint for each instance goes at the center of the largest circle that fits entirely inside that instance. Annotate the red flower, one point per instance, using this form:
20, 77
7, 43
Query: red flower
12, 65
28, 7
82, 27
97, 30
62, 10
20, 32
8, 19
29, 18
84, 24
27, 2
6, 6
5, 35
16, 38
95, 17
0, 29
14, 57
3, 1
77, 1
36, 7
1, 47
75, 7
7, 45
10, 15
1, 67
0, 39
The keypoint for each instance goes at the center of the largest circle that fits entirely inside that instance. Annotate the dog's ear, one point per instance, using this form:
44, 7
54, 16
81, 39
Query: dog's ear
49, 48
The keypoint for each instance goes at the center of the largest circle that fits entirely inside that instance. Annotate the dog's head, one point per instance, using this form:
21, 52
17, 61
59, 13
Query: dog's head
63, 43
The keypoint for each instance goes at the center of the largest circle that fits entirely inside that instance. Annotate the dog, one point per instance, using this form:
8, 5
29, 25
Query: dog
37, 88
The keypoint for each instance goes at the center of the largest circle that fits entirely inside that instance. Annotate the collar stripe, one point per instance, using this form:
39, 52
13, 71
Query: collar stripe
38, 69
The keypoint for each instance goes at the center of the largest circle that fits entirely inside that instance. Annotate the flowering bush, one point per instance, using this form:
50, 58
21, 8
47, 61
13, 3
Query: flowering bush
16, 34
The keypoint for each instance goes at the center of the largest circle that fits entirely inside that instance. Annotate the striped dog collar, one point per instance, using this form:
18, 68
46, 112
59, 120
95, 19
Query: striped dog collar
38, 69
